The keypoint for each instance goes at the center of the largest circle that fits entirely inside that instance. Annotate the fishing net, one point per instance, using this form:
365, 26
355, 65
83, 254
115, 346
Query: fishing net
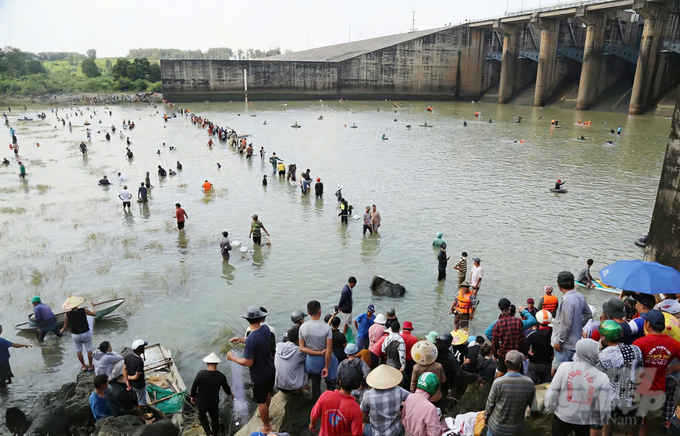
173, 403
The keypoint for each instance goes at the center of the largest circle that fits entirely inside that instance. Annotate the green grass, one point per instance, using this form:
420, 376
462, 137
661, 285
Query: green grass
16, 210
42, 188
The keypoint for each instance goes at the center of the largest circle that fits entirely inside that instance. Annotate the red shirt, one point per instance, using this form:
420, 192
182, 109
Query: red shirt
657, 352
377, 347
179, 213
340, 415
409, 340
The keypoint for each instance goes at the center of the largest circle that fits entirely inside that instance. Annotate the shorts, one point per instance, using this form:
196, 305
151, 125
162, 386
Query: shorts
126, 204
83, 340
141, 395
651, 405
346, 318
282, 173
257, 240
627, 417
566, 355
461, 317
180, 225
262, 390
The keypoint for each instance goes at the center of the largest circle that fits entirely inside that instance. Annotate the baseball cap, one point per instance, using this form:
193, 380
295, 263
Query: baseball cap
530, 301
371, 308
655, 318
35, 300
565, 279
407, 325
514, 359
647, 300
476, 259
504, 304
141, 342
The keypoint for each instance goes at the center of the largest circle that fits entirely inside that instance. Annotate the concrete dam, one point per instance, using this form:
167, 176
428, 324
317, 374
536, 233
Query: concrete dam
617, 55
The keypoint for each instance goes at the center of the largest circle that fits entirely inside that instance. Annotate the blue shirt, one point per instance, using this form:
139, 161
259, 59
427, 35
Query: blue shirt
4, 350
44, 317
259, 349
364, 324
346, 299
99, 406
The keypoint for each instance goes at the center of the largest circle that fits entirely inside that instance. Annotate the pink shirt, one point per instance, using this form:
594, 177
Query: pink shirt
375, 332
420, 417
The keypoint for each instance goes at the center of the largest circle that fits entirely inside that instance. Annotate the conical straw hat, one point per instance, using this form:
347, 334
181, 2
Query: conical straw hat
384, 377
212, 358
72, 302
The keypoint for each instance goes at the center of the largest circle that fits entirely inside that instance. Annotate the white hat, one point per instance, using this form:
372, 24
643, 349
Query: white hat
212, 358
380, 319
139, 343
670, 306
544, 317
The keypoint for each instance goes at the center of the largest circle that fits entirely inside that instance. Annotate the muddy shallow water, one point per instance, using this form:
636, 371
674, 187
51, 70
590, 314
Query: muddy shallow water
62, 234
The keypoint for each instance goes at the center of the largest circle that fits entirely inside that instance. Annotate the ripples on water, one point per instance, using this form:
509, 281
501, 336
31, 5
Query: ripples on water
486, 193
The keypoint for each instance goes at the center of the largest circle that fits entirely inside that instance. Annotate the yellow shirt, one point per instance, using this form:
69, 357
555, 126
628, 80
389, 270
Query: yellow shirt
672, 326
281, 167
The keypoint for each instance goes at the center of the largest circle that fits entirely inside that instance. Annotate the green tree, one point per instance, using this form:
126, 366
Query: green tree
108, 65
139, 69
154, 73
120, 69
73, 58
35, 67
91, 53
90, 68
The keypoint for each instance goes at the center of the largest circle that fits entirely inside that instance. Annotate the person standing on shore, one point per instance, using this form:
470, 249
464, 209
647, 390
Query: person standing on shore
316, 341
5, 370
258, 357
572, 316
181, 216
345, 303
205, 394
45, 319
443, 261
338, 410
256, 228
375, 219
76, 320
476, 275
382, 404
420, 417
461, 267
363, 323
508, 334
133, 374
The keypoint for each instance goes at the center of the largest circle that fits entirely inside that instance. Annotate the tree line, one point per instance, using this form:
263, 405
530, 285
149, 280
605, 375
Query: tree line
211, 53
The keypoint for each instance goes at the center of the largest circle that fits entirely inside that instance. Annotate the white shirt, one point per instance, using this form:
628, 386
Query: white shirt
125, 195
122, 178
477, 273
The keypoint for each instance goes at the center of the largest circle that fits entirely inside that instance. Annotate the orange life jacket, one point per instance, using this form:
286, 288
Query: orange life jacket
463, 299
550, 303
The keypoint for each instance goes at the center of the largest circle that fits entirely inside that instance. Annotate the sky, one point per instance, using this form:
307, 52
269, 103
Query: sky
113, 27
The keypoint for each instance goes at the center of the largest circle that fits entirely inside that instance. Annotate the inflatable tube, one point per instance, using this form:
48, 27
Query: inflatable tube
296, 127
353, 127
559, 191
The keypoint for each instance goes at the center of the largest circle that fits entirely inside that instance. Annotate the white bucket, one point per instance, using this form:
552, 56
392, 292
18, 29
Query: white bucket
236, 244
243, 252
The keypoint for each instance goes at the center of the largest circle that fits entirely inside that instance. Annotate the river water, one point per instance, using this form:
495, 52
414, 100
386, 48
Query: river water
62, 234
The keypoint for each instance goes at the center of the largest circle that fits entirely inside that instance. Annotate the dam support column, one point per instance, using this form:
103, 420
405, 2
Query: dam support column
663, 242
546, 58
642, 93
593, 54
506, 87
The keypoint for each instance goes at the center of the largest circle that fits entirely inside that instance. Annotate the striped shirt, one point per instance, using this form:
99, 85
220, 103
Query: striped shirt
507, 402
462, 268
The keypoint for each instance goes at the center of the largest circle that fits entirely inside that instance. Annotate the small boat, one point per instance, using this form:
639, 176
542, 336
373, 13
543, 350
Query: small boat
408, 126
165, 388
296, 126
353, 126
425, 125
601, 287
559, 191
100, 310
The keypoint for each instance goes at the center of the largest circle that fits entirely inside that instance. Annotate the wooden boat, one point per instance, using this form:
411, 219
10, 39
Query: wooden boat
100, 310
165, 390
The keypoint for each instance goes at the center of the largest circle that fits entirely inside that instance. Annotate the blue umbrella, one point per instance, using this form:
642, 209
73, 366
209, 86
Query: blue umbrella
641, 276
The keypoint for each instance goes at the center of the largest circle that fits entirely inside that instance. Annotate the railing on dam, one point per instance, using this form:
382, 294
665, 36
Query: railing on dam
555, 7
629, 53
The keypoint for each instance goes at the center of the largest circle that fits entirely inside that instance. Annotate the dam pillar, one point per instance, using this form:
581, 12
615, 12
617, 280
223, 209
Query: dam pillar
546, 58
648, 59
506, 87
663, 242
593, 56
